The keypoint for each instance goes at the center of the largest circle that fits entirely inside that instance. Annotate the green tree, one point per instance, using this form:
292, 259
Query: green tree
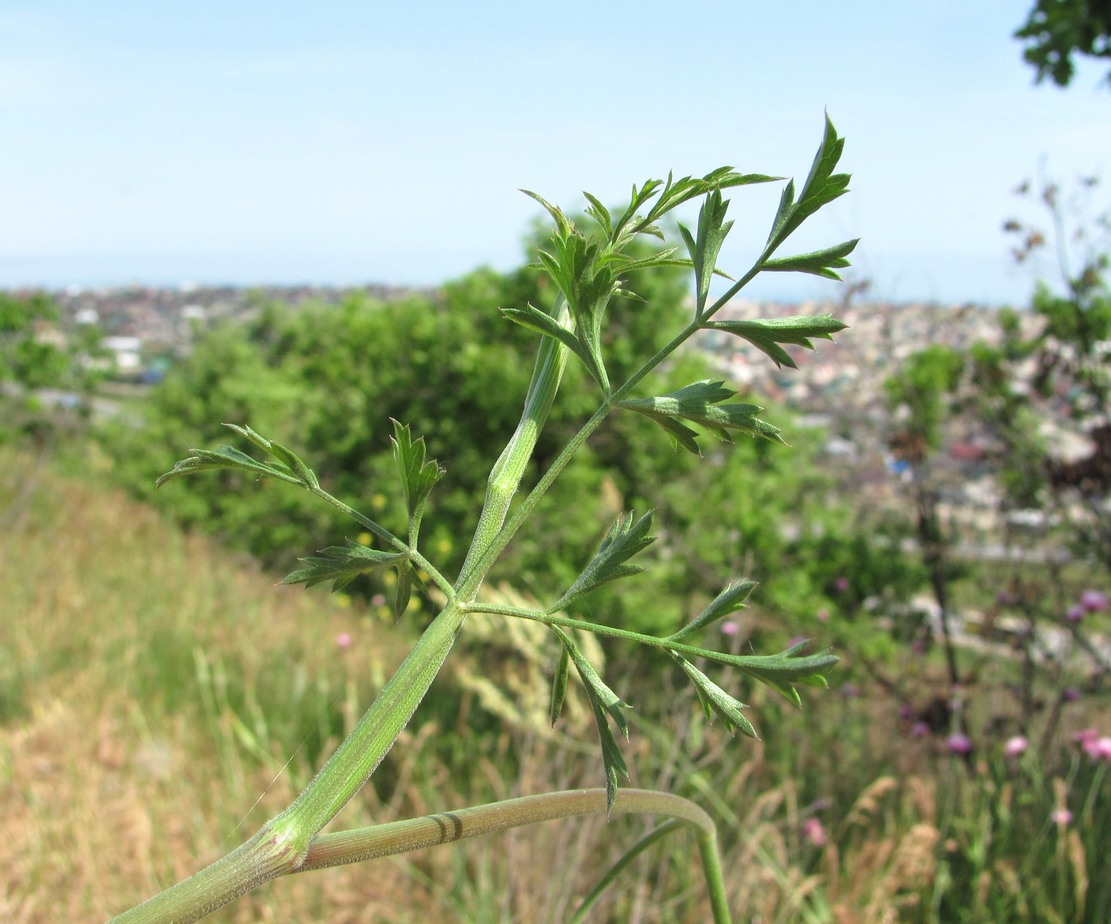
28, 358
37, 352
1056, 30
335, 376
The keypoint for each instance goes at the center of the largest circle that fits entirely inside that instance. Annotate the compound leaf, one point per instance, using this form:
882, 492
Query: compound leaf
818, 263
606, 705
766, 334
700, 403
625, 539
418, 475
715, 701
341, 565
728, 601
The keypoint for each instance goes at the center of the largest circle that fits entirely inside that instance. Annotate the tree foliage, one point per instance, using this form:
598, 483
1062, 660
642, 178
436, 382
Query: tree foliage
28, 357
38, 352
335, 376
1057, 30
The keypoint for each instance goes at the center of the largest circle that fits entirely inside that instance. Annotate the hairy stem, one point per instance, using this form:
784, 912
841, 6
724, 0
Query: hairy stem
505, 477
283, 844
291, 842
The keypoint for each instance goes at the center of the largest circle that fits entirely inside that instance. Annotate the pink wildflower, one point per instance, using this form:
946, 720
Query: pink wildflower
958, 743
343, 640
729, 627
1015, 746
1093, 601
1085, 735
1061, 817
813, 831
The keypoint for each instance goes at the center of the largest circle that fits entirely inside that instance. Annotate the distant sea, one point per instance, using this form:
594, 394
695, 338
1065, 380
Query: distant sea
944, 279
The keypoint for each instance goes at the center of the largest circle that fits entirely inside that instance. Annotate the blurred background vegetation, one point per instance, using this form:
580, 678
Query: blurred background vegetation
154, 683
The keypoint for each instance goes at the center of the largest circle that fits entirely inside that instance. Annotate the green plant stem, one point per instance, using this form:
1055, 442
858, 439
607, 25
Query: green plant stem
382, 533
292, 842
282, 845
505, 477
397, 837
652, 641
377, 528
484, 559
343, 847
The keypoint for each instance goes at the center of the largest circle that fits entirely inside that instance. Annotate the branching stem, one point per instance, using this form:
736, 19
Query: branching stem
292, 841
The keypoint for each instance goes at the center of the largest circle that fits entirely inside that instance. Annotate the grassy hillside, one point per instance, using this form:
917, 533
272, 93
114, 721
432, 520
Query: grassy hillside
159, 699
153, 689
149, 690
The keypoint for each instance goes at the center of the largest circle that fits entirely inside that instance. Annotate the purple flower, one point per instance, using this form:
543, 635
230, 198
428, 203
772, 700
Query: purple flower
1016, 746
1070, 694
1075, 613
729, 627
1061, 817
958, 743
1094, 601
919, 730
813, 831
841, 584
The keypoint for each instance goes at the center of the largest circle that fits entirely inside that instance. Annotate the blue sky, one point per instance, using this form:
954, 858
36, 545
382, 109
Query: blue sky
349, 142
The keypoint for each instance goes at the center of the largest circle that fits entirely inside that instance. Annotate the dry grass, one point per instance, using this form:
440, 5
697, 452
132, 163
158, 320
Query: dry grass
113, 782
